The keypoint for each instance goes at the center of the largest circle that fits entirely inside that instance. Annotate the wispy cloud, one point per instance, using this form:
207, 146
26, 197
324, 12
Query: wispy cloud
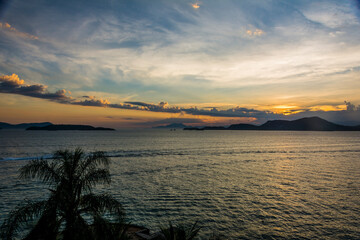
332, 14
7, 27
245, 53
202, 45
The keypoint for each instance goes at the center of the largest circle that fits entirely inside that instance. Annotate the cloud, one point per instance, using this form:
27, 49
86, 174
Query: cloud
349, 117
92, 101
7, 27
351, 107
14, 85
173, 43
331, 14
255, 33
196, 5
161, 107
211, 111
12, 80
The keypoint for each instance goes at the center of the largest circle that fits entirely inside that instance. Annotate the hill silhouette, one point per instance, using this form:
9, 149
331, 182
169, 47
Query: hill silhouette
69, 127
303, 124
4, 125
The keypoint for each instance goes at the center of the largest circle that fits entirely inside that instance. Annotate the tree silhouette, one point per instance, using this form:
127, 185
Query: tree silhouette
72, 210
180, 232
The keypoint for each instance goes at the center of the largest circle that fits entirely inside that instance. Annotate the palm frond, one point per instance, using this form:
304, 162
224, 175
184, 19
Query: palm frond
114, 231
92, 178
168, 232
43, 170
93, 161
47, 227
102, 203
62, 154
79, 229
180, 232
70, 175
77, 156
192, 231
20, 216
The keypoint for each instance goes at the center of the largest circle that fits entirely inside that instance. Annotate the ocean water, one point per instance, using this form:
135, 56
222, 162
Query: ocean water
239, 184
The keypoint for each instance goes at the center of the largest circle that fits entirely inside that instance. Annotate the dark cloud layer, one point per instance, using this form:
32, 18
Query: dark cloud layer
14, 85
214, 112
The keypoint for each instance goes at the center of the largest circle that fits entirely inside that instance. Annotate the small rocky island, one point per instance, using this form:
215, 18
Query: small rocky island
58, 127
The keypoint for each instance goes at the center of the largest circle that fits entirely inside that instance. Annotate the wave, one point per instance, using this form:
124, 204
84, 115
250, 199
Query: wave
49, 156
202, 152
196, 152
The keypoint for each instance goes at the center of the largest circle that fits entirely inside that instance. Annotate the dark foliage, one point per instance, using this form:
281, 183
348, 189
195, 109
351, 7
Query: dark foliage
180, 232
72, 210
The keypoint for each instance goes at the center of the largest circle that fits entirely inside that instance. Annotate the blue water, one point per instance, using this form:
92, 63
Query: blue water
240, 184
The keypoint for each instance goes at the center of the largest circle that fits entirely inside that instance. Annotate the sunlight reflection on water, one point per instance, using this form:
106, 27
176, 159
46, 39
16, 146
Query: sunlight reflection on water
243, 184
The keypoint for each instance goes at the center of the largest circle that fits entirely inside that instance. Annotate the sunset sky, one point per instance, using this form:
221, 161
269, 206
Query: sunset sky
142, 63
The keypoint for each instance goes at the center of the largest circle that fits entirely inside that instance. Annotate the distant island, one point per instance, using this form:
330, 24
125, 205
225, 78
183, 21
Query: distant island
173, 125
50, 127
303, 124
57, 127
4, 125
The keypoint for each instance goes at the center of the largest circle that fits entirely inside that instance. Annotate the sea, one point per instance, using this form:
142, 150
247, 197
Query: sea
235, 184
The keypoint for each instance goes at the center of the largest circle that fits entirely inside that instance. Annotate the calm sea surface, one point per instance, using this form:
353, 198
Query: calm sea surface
240, 184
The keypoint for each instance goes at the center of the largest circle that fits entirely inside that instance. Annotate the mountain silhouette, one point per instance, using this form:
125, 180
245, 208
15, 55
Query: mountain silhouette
303, 124
4, 125
68, 127
243, 126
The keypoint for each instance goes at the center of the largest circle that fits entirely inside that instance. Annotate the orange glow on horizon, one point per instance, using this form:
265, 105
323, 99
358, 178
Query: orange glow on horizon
285, 107
20, 110
327, 108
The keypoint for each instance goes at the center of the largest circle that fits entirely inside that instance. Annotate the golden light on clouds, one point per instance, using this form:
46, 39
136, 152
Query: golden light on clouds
255, 33
196, 5
103, 102
218, 120
6, 26
327, 108
284, 107
12, 78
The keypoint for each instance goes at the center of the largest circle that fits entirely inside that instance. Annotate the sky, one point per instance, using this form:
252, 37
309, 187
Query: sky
143, 63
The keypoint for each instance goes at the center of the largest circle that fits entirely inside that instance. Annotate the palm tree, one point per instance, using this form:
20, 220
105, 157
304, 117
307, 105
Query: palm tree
180, 232
72, 210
